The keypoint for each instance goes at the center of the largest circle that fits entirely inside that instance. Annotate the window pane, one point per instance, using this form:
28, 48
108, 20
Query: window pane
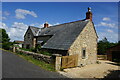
83, 53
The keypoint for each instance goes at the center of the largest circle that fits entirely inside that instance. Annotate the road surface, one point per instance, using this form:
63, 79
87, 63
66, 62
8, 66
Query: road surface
15, 67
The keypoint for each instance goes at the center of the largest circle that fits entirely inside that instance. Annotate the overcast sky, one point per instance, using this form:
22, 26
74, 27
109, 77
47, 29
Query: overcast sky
18, 16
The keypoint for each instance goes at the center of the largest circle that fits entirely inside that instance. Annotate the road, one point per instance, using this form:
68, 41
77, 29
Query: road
15, 67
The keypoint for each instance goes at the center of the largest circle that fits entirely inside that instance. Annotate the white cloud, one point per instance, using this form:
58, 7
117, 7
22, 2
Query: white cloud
3, 25
111, 36
106, 19
21, 13
16, 31
57, 23
111, 25
42, 25
109, 30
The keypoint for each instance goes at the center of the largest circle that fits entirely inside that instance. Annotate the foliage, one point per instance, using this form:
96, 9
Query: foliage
7, 45
41, 64
45, 53
33, 49
4, 35
25, 49
16, 45
37, 48
103, 45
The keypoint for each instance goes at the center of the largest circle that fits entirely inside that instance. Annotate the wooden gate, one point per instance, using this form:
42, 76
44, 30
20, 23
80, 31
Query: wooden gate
69, 61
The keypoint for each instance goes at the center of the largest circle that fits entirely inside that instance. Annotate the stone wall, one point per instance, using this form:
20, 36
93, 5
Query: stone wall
37, 56
29, 39
88, 40
102, 57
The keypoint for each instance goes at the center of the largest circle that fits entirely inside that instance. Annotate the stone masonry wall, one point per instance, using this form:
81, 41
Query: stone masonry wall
37, 56
27, 40
87, 39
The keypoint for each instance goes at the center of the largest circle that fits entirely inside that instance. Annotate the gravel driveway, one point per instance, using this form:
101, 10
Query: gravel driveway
92, 71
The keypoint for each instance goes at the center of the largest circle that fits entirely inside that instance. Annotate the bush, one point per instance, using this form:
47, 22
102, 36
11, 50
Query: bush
33, 49
45, 53
7, 45
25, 49
36, 49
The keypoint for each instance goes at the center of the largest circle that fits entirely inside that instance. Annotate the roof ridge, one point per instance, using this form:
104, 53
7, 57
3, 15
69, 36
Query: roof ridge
67, 23
60, 24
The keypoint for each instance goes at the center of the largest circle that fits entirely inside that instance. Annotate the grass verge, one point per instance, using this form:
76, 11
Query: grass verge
41, 64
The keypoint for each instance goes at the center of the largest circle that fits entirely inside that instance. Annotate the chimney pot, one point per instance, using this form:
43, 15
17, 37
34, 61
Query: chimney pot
89, 14
46, 25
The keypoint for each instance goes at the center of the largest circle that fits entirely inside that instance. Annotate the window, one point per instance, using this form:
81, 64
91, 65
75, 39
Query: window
83, 53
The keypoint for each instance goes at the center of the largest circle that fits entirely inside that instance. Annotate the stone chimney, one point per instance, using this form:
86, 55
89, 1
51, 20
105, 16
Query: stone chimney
46, 25
89, 14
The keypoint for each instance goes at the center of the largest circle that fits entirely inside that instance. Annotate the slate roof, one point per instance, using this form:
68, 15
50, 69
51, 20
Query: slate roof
63, 35
34, 30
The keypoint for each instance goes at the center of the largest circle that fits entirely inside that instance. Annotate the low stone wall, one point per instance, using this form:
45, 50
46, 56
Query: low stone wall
54, 59
102, 57
37, 56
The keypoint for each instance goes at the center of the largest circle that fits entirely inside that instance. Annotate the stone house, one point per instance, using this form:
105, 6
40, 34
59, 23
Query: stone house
77, 37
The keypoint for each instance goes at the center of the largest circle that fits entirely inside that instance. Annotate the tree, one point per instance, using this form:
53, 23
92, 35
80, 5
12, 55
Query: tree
105, 40
4, 36
5, 39
103, 45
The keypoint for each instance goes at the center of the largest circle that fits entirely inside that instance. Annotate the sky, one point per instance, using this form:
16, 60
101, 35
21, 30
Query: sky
17, 16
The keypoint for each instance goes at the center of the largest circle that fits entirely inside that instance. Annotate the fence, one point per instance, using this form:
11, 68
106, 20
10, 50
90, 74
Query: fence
69, 61
66, 61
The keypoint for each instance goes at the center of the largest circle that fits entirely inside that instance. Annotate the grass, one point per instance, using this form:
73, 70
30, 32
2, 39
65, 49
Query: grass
41, 64
25, 49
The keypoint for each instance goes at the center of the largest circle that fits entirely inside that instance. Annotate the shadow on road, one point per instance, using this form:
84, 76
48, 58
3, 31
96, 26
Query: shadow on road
113, 75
